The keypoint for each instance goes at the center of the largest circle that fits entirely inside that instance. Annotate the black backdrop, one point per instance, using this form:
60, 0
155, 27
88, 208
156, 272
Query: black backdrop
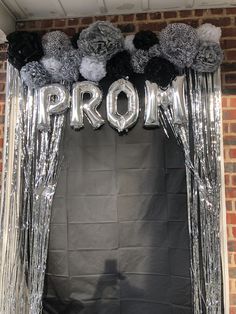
119, 242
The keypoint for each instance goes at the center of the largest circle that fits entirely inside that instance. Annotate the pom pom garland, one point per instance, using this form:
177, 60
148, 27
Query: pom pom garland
119, 66
209, 32
179, 44
160, 71
100, 40
23, 47
92, 69
208, 58
145, 40
34, 75
55, 44
100, 50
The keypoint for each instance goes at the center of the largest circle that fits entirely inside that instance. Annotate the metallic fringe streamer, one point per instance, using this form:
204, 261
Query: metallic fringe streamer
32, 162
200, 139
31, 166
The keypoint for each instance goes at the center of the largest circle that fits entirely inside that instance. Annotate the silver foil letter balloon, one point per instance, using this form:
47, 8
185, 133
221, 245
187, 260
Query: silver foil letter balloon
80, 105
155, 98
118, 121
52, 99
179, 105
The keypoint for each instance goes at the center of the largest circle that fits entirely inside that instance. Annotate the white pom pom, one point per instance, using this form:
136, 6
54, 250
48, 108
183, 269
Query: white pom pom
92, 69
128, 43
53, 66
209, 32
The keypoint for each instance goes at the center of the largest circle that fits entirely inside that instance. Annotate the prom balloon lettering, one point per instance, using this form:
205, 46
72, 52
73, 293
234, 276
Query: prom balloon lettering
55, 99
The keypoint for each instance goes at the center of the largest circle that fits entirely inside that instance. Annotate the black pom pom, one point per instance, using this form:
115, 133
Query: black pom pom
74, 40
160, 71
119, 66
145, 40
24, 47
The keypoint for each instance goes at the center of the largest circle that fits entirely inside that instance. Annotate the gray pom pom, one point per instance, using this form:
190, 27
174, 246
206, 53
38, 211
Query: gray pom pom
34, 75
155, 51
71, 61
100, 40
208, 58
55, 44
139, 60
53, 67
179, 43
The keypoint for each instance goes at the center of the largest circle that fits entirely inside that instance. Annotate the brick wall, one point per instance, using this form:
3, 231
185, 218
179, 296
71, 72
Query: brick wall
226, 19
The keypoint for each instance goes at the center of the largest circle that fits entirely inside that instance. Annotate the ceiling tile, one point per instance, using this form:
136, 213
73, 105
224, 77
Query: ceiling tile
81, 8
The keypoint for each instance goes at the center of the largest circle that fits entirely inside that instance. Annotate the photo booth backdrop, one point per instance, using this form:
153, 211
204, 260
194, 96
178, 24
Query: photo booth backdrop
119, 238
155, 20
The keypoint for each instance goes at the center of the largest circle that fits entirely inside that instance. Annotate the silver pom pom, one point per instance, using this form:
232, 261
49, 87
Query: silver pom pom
92, 69
209, 57
139, 60
53, 67
128, 43
34, 75
71, 61
74, 55
209, 32
55, 44
155, 51
101, 40
179, 44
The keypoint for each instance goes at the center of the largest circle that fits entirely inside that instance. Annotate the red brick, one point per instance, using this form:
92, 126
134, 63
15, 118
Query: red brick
185, 13
87, 20
224, 102
230, 77
232, 128
46, 23
60, 23
232, 246
128, 17
198, 12
232, 103
233, 179
231, 55
227, 179
73, 22
70, 31
155, 27
224, 21
113, 18
229, 205
232, 153
231, 193
141, 16
155, 16
217, 11
232, 310
225, 128
170, 14
229, 44
229, 114
231, 11
229, 32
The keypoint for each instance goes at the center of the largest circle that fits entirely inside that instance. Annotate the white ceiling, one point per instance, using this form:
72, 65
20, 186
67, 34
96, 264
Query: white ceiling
38, 9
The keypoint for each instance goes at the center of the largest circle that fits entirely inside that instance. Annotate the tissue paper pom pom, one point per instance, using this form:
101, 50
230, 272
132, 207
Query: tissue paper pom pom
100, 40
160, 71
209, 57
92, 69
53, 67
74, 40
74, 55
70, 69
55, 44
34, 75
179, 43
155, 51
209, 32
119, 66
139, 60
129, 44
145, 40
23, 47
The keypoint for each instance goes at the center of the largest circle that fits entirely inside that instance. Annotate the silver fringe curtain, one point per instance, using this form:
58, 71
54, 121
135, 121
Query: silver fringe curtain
33, 158
31, 167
